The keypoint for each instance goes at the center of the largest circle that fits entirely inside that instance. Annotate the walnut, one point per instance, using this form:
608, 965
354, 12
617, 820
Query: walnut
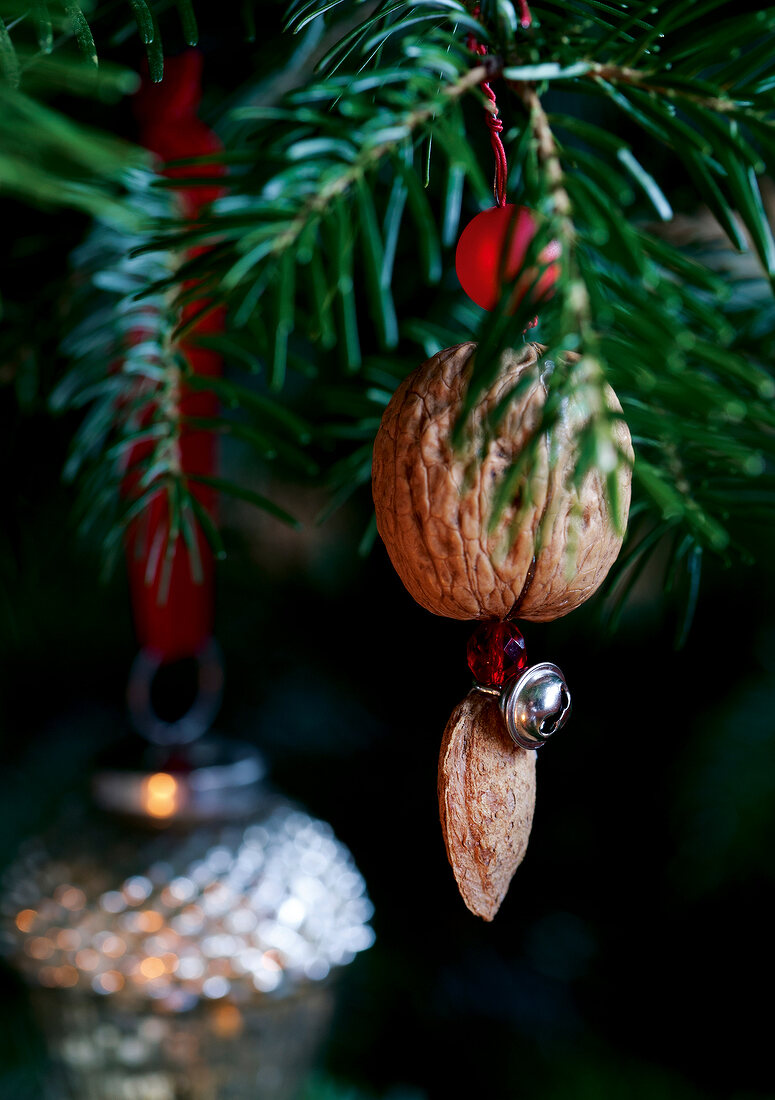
433, 504
486, 801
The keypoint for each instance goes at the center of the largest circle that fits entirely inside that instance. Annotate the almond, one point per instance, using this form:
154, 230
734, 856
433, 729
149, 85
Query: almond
486, 802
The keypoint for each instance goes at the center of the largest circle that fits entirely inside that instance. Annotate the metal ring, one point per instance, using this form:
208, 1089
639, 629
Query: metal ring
197, 719
485, 690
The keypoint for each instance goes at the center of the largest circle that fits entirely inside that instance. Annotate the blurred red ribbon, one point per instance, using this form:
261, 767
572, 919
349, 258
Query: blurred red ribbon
173, 608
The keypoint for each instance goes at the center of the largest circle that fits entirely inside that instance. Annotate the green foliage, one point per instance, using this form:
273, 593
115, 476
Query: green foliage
128, 370
48, 49
39, 27
340, 182
364, 155
52, 160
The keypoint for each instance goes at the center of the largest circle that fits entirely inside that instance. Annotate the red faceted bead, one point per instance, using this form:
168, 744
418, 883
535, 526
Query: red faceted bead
496, 653
491, 254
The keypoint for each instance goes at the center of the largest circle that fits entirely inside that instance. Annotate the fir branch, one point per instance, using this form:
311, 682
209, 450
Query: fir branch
73, 24
597, 442
315, 225
649, 81
546, 149
368, 159
64, 163
130, 374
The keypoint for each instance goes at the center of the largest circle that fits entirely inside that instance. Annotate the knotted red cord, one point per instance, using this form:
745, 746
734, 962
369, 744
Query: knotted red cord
495, 126
494, 123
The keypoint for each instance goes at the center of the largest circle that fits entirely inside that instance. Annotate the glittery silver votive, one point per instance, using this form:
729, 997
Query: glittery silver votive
184, 952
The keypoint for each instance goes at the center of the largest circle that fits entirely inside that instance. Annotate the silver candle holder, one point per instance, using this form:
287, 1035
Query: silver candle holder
183, 941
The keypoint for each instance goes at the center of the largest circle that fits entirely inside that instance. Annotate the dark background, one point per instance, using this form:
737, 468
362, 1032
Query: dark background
633, 952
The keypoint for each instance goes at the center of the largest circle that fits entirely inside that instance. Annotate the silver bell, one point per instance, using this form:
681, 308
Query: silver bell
535, 705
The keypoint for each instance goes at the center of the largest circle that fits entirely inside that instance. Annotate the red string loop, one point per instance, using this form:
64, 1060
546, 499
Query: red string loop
495, 126
494, 123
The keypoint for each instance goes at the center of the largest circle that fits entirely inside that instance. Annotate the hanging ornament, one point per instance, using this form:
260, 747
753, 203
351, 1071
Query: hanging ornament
178, 933
463, 552
434, 505
492, 249
491, 253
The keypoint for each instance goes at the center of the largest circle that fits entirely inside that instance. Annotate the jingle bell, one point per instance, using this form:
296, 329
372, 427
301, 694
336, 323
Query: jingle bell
536, 705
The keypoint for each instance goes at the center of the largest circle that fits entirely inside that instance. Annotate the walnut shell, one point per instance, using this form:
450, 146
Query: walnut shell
433, 504
486, 801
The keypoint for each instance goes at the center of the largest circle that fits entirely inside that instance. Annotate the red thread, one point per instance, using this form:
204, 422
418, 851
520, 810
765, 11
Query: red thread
494, 123
495, 126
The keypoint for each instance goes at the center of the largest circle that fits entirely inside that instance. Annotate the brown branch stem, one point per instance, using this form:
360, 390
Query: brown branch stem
621, 74
585, 376
546, 146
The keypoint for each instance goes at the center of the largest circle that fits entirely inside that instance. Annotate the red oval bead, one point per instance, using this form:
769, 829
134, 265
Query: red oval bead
495, 243
496, 653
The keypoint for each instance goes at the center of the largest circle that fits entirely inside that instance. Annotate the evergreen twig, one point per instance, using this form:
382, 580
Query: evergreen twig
306, 245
